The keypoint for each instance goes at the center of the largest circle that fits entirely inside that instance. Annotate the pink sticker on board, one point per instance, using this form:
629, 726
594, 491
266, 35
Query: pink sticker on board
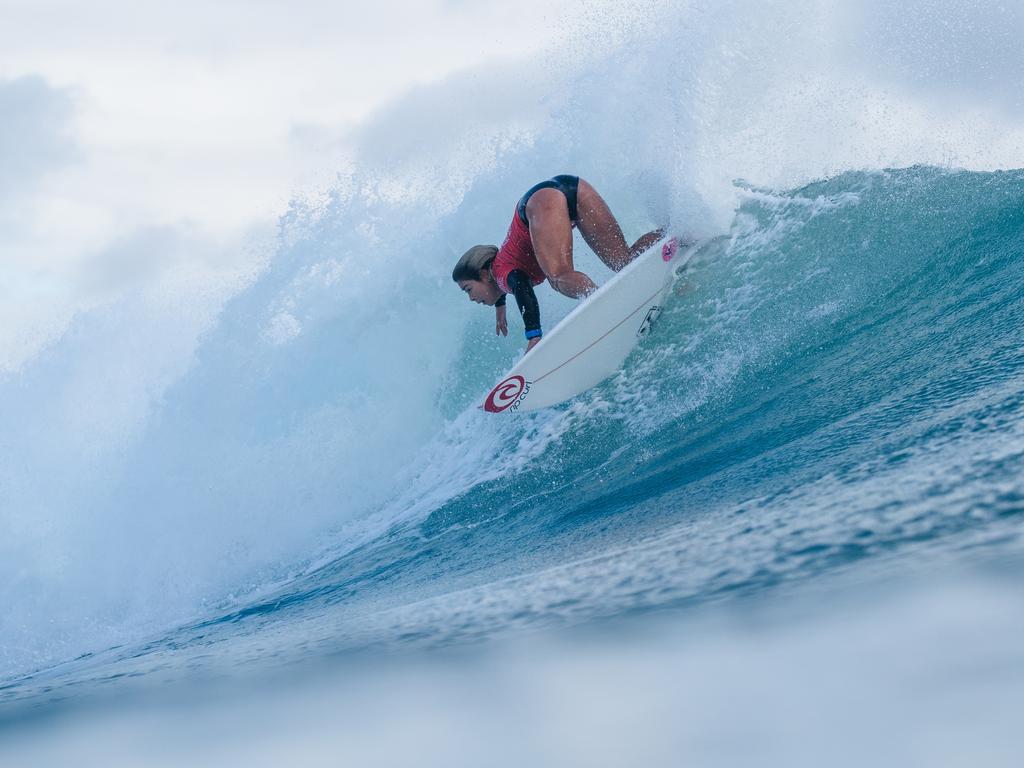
668, 250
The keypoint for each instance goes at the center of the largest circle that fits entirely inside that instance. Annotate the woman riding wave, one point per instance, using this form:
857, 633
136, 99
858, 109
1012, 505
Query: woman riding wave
539, 246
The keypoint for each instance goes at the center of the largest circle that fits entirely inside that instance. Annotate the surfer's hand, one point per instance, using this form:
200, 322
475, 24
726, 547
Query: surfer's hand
532, 343
501, 323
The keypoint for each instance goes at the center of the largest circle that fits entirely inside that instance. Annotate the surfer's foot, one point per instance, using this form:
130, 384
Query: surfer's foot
646, 242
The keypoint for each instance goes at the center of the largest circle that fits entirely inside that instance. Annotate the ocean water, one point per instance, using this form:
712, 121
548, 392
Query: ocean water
788, 532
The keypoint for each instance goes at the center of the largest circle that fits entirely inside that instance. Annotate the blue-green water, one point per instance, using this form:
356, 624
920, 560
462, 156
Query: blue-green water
823, 440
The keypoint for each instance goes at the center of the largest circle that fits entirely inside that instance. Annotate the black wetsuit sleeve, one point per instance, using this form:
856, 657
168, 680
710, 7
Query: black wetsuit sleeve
520, 286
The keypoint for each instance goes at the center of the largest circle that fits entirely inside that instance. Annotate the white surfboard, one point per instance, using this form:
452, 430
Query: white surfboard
595, 338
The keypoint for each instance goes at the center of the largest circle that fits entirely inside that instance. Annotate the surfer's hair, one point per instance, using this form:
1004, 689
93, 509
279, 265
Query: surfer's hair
474, 262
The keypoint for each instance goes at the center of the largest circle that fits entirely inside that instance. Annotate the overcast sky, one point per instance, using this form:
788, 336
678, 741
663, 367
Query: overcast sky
121, 119
140, 135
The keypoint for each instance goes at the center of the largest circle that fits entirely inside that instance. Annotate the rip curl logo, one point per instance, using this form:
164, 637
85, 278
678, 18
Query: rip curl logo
652, 315
508, 394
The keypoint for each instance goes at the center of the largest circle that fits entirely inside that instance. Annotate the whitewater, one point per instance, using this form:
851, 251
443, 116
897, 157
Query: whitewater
264, 521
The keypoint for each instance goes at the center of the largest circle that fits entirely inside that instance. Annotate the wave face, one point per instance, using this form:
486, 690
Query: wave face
833, 392
834, 387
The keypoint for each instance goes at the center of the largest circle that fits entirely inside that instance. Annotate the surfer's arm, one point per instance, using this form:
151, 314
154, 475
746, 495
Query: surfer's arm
522, 289
500, 319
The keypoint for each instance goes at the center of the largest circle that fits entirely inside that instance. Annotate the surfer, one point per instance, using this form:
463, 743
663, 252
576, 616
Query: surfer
538, 246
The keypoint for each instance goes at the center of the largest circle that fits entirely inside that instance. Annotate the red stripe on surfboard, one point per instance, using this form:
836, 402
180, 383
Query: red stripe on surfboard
599, 338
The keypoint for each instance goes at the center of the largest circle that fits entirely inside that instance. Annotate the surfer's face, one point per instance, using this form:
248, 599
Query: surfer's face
483, 291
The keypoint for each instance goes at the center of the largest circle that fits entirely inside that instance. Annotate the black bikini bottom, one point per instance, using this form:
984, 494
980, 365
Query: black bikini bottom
567, 185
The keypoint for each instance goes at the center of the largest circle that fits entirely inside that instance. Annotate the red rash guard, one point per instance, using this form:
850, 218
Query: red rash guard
516, 253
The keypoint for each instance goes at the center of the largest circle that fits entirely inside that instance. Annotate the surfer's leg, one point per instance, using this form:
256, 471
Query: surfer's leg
551, 235
645, 242
602, 232
599, 228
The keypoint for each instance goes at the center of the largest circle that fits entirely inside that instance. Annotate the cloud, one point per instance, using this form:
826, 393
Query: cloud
943, 49
34, 133
135, 260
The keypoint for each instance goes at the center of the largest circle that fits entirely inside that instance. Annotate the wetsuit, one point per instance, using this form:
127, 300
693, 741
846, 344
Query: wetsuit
515, 268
